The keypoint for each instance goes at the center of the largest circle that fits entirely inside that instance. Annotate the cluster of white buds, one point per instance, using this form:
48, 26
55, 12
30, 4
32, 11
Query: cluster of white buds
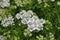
4, 3
33, 22
7, 21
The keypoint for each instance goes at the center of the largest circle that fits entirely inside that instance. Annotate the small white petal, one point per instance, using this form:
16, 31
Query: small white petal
42, 21
24, 21
18, 15
30, 12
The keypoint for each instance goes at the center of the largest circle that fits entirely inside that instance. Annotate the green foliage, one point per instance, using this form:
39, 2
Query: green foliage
50, 11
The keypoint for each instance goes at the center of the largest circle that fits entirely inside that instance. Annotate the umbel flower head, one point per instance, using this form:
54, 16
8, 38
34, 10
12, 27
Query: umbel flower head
35, 24
7, 21
4, 3
24, 16
32, 21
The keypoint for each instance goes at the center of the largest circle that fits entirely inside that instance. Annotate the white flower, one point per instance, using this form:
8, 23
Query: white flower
23, 14
1, 37
24, 21
35, 17
26, 15
30, 12
4, 3
18, 15
7, 21
42, 21
34, 23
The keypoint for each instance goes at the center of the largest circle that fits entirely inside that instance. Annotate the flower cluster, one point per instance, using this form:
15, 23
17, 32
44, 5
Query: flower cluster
4, 3
33, 22
24, 16
7, 21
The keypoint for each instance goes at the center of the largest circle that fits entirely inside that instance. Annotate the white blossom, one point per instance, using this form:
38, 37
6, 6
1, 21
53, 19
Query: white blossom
30, 12
18, 15
23, 14
32, 21
35, 24
26, 16
24, 21
1, 37
7, 21
4, 3
42, 21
